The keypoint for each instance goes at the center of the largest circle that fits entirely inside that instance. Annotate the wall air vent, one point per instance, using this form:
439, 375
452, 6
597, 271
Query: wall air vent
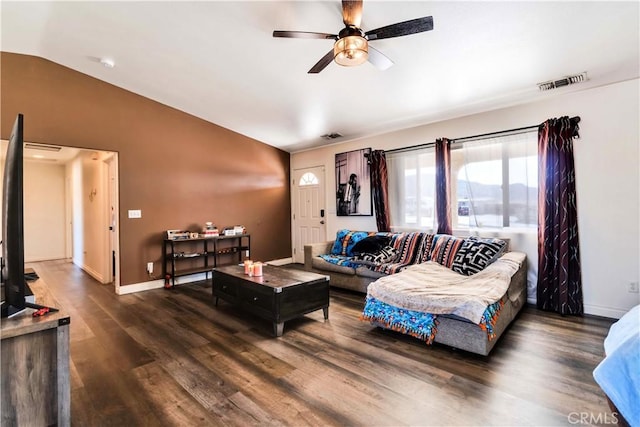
568, 80
331, 136
41, 147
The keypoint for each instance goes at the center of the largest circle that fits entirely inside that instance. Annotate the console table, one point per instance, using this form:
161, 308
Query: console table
200, 254
35, 365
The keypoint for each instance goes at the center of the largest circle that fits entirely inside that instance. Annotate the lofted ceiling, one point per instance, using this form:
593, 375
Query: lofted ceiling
218, 60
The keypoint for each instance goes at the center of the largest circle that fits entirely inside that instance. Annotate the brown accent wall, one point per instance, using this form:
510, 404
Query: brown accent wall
181, 171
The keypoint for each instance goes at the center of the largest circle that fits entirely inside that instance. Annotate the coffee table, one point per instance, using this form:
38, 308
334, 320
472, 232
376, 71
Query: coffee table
278, 295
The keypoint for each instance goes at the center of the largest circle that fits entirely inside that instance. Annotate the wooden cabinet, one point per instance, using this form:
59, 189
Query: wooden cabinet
279, 295
35, 366
184, 257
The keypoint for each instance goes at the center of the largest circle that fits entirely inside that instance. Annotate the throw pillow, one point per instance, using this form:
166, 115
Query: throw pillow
371, 245
409, 246
424, 252
346, 240
444, 249
476, 254
385, 255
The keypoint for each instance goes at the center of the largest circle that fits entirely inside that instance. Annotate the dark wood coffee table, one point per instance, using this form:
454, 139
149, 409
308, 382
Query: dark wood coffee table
278, 295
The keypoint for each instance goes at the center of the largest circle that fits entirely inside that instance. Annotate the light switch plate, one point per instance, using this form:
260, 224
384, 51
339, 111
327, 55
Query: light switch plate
137, 213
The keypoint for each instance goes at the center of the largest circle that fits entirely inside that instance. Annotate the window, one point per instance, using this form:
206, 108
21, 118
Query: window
308, 179
412, 177
494, 184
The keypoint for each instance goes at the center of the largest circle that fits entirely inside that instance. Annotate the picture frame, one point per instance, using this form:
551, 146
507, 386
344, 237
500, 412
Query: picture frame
353, 183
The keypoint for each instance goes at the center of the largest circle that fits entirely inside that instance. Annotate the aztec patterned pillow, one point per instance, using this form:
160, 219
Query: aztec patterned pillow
346, 240
476, 254
424, 252
444, 249
408, 245
385, 255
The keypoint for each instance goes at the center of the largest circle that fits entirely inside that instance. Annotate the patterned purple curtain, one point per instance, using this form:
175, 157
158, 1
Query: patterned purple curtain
443, 185
380, 188
559, 276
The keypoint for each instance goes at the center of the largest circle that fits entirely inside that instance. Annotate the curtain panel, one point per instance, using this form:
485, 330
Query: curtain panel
443, 185
380, 188
559, 273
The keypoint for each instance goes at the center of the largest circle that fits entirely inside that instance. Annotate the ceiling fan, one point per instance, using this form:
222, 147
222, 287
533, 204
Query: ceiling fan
351, 45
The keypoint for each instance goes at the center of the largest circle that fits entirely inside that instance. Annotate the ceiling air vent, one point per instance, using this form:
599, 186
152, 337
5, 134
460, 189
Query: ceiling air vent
568, 80
41, 147
331, 136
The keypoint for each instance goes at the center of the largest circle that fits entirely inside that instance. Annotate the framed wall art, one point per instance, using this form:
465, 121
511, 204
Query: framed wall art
353, 183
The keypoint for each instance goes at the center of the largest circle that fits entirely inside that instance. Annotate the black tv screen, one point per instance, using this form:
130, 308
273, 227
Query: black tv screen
12, 273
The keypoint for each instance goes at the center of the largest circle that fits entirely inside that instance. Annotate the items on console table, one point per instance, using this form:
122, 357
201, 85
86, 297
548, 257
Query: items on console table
278, 295
188, 256
35, 365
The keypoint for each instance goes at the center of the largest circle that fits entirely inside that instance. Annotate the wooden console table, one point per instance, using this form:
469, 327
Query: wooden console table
35, 365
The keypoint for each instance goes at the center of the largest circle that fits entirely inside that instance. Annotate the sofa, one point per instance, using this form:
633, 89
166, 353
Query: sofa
398, 272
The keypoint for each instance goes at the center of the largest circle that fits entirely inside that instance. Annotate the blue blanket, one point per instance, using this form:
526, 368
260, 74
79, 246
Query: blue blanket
618, 375
416, 323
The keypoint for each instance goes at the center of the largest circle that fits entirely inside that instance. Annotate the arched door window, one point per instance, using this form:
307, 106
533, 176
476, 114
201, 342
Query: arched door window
308, 179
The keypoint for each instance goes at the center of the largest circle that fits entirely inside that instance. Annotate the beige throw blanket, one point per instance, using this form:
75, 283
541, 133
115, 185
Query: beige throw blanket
433, 288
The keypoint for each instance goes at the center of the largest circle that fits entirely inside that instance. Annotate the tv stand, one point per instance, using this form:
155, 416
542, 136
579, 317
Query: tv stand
10, 311
35, 384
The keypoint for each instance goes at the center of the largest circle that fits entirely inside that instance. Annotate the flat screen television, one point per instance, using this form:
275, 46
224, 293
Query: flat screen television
12, 275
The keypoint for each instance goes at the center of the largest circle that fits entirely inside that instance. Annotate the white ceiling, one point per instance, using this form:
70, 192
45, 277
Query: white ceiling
218, 60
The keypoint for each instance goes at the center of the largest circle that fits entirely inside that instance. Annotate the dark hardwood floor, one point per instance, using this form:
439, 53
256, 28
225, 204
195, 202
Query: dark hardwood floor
170, 358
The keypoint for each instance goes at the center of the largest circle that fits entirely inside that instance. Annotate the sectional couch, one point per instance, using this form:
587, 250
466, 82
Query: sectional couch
416, 254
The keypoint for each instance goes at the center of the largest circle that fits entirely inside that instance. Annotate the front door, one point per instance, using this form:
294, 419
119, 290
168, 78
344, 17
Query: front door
309, 213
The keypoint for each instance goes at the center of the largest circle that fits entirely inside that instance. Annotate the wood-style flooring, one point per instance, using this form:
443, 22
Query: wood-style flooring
170, 358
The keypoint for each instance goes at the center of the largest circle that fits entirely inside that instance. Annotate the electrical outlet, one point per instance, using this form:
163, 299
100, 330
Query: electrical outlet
633, 287
150, 267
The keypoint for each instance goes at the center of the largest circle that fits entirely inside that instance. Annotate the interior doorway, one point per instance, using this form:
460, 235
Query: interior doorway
72, 199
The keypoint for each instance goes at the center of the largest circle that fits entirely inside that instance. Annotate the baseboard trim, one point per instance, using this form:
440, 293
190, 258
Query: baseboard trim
156, 284
610, 312
281, 261
594, 310
91, 272
139, 287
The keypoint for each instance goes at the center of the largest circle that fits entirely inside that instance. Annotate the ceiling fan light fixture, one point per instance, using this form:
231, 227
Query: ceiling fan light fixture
351, 50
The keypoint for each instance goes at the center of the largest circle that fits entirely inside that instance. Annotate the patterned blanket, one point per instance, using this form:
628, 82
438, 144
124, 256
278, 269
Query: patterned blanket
411, 300
423, 326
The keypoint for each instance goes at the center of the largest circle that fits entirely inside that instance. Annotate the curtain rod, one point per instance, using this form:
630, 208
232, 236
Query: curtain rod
515, 131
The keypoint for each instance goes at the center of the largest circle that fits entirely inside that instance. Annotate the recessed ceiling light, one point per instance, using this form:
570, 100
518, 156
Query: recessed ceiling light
107, 62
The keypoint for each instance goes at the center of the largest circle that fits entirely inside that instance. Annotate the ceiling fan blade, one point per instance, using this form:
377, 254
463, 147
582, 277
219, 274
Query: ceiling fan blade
379, 59
405, 28
322, 64
352, 12
304, 35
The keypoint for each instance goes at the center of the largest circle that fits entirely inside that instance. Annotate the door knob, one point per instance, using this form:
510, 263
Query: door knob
322, 222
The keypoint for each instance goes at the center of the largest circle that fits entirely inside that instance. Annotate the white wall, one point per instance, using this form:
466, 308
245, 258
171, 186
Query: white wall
89, 210
606, 159
44, 211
